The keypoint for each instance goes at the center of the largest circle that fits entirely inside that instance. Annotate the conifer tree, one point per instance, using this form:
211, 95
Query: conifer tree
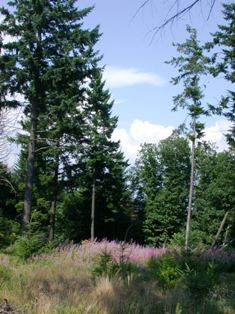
224, 63
104, 164
48, 61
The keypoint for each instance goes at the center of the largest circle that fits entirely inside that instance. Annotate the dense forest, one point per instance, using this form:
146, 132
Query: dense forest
71, 180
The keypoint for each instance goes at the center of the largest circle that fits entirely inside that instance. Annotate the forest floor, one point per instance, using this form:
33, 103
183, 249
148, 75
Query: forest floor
111, 278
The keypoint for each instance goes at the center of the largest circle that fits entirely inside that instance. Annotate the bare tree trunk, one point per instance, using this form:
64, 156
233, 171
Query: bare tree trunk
221, 227
30, 169
52, 220
93, 211
191, 188
54, 201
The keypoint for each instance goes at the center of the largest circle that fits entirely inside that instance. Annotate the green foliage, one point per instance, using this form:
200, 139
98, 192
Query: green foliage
165, 270
198, 239
223, 63
9, 224
160, 179
27, 245
215, 194
199, 273
9, 229
106, 265
5, 274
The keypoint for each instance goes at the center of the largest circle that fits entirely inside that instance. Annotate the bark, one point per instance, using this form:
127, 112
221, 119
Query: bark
54, 201
93, 211
221, 227
191, 188
30, 169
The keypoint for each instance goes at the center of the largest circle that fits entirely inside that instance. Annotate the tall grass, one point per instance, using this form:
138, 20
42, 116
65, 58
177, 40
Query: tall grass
63, 281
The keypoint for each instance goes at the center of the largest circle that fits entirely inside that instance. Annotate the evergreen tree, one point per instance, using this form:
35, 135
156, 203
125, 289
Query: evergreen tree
48, 62
100, 186
224, 63
191, 65
9, 218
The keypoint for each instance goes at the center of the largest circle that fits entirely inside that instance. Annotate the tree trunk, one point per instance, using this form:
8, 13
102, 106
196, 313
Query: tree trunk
54, 201
191, 188
93, 211
220, 229
30, 169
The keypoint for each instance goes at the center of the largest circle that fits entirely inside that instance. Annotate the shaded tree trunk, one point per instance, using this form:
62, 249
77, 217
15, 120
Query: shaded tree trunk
54, 201
221, 227
191, 187
93, 211
30, 169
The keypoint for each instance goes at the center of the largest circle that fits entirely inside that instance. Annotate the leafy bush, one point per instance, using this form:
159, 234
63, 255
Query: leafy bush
27, 245
197, 239
165, 269
106, 265
196, 271
8, 231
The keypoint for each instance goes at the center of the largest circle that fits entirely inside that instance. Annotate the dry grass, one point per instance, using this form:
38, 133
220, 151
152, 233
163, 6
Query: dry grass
38, 288
61, 286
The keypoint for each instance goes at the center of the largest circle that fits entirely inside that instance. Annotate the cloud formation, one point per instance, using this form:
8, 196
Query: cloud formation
215, 134
120, 77
141, 132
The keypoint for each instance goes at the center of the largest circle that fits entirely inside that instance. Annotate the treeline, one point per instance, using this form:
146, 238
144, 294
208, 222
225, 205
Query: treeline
71, 181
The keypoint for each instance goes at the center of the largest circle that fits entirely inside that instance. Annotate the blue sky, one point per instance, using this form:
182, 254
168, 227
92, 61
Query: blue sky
136, 72
135, 69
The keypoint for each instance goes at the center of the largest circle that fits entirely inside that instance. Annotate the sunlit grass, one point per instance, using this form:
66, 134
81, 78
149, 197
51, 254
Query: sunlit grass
63, 282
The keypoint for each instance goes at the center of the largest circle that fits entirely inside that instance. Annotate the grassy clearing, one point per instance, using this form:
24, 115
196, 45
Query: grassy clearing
80, 280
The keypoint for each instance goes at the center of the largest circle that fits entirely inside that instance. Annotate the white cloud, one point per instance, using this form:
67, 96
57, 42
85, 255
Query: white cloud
215, 134
119, 77
141, 132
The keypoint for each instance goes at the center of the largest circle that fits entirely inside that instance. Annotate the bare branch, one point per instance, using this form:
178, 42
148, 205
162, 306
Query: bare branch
171, 17
174, 17
140, 8
211, 8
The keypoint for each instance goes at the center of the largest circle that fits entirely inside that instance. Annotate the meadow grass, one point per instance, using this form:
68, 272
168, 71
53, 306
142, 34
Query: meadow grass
160, 281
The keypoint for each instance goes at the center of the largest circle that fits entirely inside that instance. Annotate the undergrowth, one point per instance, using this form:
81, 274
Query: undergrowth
66, 282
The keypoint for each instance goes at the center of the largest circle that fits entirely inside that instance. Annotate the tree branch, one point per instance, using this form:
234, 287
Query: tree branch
171, 18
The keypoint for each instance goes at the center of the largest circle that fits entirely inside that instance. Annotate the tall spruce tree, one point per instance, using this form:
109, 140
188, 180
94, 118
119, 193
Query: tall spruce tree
191, 65
48, 62
95, 204
104, 164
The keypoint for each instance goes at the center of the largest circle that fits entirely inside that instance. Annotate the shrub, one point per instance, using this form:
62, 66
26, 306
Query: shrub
106, 265
165, 269
27, 245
